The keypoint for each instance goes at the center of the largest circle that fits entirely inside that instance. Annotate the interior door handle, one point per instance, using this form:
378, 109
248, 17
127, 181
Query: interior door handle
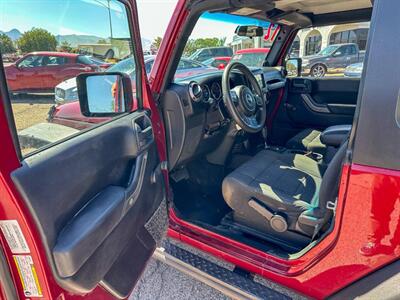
143, 131
299, 85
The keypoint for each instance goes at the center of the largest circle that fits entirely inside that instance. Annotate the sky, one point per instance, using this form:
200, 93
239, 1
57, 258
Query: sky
75, 17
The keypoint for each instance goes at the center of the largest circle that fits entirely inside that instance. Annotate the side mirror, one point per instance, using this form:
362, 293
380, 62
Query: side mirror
293, 67
249, 31
337, 53
104, 94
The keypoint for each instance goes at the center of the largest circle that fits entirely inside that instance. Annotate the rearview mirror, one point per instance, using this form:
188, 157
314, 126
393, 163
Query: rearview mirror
249, 31
293, 67
104, 94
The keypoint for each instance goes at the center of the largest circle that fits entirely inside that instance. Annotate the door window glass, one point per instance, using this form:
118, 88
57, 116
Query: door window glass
31, 62
331, 51
58, 37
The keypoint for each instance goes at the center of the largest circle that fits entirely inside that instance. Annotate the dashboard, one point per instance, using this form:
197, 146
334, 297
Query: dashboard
195, 116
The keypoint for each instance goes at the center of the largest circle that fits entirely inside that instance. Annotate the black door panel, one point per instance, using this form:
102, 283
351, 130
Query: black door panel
321, 102
314, 103
91, 197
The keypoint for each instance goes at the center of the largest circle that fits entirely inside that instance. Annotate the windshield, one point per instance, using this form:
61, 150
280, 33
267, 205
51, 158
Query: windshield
206, 46
250, 59
328, 50
125, 66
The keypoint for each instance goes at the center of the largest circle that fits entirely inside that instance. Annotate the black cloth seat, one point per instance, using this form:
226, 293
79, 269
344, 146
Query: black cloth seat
284, 187
307, 140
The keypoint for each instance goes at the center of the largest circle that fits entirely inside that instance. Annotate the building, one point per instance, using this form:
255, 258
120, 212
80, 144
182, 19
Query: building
310, 41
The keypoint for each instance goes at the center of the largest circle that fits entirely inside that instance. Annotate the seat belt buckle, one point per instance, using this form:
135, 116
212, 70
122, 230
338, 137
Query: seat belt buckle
331, 205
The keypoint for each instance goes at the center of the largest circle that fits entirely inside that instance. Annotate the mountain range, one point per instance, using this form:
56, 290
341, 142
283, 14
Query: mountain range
13, 34
73, 39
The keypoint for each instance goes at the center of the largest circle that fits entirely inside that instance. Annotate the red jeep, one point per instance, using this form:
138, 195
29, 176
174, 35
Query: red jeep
42, 71
269, 185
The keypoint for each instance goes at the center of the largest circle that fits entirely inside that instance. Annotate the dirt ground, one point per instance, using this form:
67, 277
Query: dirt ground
28, 114
29, 110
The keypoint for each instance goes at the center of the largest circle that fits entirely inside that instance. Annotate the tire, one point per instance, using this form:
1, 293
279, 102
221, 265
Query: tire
319, 70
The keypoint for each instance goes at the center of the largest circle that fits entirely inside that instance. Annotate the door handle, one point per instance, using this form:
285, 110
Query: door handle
299, 85
143, 131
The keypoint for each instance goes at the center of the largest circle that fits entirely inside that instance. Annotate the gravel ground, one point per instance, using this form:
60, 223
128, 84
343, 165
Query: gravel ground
161, 281
30, 109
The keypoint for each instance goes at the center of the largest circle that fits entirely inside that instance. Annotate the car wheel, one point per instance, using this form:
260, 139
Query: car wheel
318, 71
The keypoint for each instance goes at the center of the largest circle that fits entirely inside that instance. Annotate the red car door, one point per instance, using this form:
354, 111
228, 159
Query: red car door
82, 213
24, 74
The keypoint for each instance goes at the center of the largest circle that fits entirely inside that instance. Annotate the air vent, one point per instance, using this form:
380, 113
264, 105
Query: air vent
195, 91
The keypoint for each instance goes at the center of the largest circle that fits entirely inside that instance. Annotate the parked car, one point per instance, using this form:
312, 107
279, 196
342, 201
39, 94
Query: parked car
334, 58
10, 57
252, 57
42, 71
66, 91
218, 62
207, 53
101, 63
354, 70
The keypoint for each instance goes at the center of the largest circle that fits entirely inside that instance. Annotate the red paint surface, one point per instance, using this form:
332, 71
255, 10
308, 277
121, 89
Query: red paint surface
252, 50
336, 261
44, 77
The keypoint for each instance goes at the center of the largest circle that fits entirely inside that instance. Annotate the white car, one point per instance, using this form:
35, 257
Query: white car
66, 91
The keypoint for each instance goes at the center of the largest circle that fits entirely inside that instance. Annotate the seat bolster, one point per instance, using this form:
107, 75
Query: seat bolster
307, 140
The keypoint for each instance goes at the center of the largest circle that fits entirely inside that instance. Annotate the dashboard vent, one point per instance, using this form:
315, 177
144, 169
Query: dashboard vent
195, 91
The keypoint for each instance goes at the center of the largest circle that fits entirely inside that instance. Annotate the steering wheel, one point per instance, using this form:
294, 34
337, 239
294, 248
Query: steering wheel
246, 106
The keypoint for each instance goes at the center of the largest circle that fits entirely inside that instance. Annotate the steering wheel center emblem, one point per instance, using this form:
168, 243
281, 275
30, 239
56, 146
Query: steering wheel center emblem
249, 99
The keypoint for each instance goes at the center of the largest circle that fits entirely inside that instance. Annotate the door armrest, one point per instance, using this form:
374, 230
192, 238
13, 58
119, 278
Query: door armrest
335, 135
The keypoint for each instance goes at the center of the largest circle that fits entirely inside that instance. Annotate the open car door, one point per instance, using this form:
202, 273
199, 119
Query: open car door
82, 207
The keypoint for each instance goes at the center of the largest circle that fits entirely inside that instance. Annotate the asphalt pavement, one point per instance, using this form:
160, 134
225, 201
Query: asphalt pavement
161, 281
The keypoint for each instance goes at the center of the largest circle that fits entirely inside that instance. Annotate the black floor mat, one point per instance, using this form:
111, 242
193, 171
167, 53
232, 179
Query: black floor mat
197, 206
199, 200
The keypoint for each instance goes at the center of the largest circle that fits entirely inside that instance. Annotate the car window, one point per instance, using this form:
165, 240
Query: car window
45, 103
83, 59
330, 51
31, 62
191, 64
149, 65
54, 60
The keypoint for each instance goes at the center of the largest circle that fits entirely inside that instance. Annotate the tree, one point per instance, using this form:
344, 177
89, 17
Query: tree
221, 41
65, 47
6, 44
37, 39
193, 44
155, 45
102, 41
